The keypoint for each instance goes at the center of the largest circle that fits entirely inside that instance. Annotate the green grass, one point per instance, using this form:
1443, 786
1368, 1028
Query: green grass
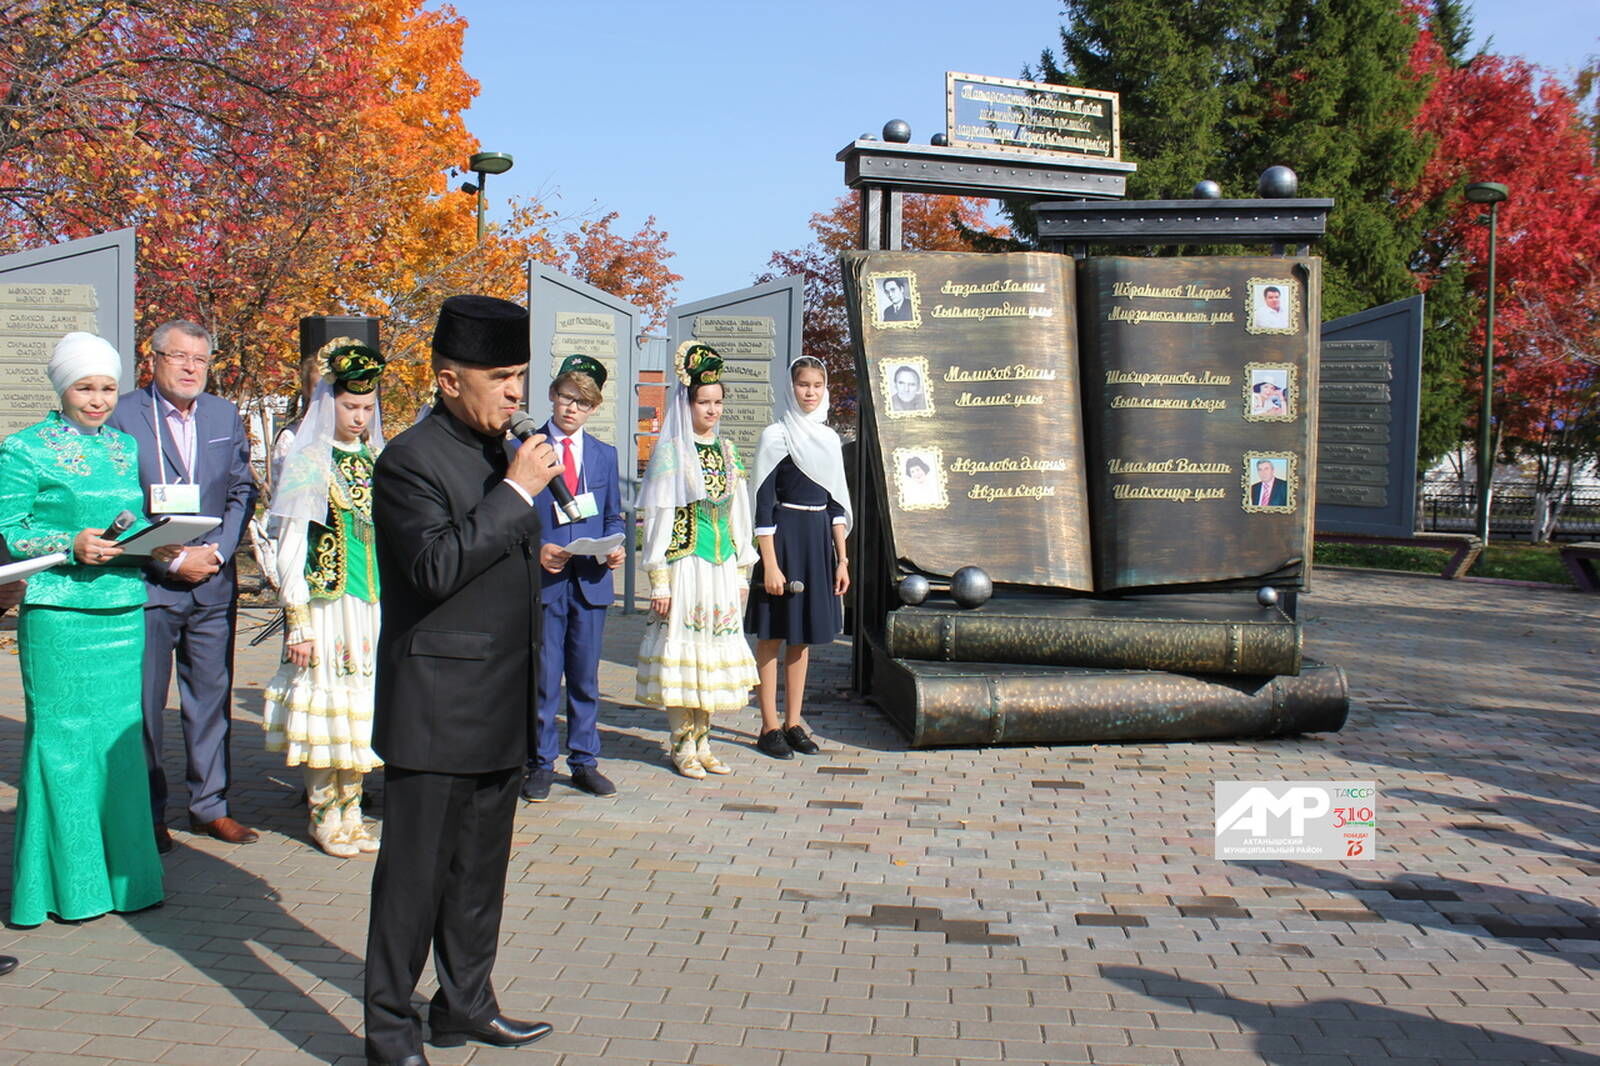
1502, 559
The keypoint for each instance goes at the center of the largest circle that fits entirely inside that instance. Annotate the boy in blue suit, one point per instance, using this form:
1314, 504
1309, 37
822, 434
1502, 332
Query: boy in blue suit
577, 588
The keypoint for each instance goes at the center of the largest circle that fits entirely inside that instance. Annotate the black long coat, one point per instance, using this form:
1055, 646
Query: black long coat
458, 648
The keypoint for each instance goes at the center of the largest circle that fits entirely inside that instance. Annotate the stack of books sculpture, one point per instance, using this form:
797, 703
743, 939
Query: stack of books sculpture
1085, 495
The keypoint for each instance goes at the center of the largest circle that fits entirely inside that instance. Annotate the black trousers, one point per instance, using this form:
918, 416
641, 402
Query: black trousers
440, 882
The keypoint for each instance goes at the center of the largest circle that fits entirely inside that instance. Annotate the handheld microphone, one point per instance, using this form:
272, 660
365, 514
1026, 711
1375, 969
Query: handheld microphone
119, 525
794, 587
523, 426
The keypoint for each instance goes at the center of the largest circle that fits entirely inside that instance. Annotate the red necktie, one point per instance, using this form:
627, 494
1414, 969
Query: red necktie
1266, 493
569, 466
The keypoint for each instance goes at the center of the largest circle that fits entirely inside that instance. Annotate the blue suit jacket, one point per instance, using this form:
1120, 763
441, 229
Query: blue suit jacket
227, 489
599, 476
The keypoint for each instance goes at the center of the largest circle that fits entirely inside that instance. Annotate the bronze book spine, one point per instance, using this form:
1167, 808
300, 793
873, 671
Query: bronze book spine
1192, 646
944, 706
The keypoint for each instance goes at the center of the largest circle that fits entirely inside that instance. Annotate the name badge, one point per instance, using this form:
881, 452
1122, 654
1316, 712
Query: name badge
587, 508
182, 498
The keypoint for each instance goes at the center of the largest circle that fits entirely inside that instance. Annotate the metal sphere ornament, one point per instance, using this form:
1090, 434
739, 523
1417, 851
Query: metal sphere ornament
939, 140
1267, 596
913, 589
1278, 183
897, 131
970, 587
867, 137
1206, 189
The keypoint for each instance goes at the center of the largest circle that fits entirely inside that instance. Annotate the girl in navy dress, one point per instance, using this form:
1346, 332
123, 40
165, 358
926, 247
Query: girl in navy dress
802, 516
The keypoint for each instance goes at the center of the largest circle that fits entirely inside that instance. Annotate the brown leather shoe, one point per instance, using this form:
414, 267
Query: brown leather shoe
226, 830
163, 839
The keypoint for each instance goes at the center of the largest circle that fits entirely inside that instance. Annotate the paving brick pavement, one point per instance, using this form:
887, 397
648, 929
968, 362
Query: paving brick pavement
880, 906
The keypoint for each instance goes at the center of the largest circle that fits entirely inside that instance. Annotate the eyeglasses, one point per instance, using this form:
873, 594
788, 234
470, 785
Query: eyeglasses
198, 362
569, 400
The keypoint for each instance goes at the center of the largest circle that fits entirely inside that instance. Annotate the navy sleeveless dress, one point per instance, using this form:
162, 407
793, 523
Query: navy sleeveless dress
802, 541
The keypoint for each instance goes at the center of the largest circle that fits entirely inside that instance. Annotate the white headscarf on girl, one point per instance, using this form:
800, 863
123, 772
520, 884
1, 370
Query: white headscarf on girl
673, 478
302, 488
805, 438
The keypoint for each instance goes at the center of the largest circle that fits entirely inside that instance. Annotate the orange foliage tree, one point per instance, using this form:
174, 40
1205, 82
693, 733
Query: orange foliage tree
929, 224
279, 158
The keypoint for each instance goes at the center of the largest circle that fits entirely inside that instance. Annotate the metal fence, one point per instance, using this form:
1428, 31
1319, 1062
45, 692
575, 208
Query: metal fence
1510, 514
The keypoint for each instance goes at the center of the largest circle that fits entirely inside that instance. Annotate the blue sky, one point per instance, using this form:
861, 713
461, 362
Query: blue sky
722, 118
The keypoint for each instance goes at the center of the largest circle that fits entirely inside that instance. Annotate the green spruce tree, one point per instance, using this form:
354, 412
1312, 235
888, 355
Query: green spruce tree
1223, 89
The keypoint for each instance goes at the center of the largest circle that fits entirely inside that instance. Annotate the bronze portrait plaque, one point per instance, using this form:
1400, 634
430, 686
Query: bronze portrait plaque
1188, 390
975, 400
1177, 451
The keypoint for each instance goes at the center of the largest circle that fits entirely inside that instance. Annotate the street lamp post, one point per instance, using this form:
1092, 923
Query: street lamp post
483, 164
1492, 193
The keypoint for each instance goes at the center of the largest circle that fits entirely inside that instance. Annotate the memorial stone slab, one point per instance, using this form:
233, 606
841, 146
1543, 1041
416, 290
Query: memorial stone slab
84, 285
1371, 392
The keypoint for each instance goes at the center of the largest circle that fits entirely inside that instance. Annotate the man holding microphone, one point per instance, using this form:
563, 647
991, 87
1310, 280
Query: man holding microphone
458, 558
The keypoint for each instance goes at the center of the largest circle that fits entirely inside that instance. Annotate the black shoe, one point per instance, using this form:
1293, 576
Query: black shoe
7, 964
796, 736
499, 1031
416, 1059
536, 786
772, 743
589, 779
163, 839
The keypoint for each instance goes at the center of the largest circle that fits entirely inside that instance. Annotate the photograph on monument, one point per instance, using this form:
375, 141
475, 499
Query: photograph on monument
905, 382
1272, 306
1269, 392
1269, 483
895, 301
919, 479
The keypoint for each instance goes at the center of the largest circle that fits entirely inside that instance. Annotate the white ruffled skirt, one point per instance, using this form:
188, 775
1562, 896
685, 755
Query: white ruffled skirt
321, 715
697, 657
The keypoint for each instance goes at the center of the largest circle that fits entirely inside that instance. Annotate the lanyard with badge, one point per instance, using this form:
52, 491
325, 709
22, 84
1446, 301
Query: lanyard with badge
587, 507
182, 497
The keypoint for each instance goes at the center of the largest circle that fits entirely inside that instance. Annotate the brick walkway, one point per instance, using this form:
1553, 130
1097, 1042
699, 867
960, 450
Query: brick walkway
880, 906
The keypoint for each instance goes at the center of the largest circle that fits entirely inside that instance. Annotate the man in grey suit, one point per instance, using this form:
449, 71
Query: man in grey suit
194, 458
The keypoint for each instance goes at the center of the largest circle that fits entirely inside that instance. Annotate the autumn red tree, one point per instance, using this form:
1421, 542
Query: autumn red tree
929, 223
1500, 119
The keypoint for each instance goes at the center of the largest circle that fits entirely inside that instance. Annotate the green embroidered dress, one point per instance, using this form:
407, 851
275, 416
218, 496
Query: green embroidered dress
84, 842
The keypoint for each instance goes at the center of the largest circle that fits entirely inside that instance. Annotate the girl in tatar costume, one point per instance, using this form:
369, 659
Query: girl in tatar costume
319, 704
802, 516
693, 660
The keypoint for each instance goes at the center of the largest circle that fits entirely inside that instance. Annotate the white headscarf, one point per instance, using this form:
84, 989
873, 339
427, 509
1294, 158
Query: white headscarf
302, 489
81, 355
805, 438
673, 478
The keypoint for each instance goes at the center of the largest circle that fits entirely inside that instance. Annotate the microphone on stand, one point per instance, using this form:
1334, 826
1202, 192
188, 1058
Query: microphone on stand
523, 426
119, 525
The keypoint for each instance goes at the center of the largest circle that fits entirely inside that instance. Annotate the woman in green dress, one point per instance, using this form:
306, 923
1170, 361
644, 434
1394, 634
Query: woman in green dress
84, 842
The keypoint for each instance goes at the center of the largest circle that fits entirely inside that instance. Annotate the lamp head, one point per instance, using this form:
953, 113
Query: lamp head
490, 162
1487, 192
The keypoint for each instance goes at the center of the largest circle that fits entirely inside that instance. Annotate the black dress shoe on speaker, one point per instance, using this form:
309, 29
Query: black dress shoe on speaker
796, 736
499, 1031
536, 786
7, 964
589, 779
410, 1060
773, 743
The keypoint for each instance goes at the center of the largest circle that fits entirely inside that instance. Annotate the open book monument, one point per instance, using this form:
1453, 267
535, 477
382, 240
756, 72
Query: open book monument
1124, 448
